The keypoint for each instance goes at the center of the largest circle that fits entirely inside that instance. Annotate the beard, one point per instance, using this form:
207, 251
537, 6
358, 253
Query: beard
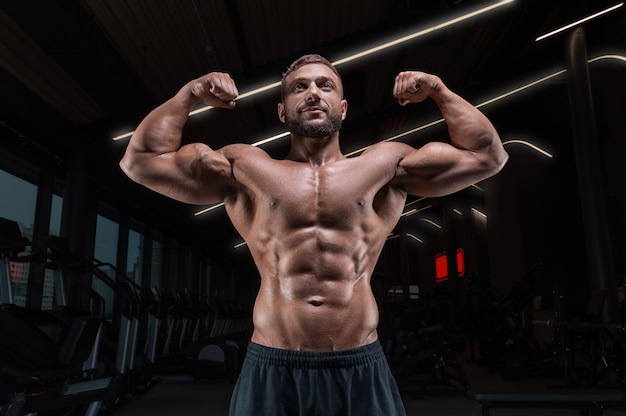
318, 130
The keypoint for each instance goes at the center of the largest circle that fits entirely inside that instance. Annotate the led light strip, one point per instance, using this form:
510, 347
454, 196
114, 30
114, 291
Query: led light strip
414, 237
422, 32
414, 210
482, 214
416, 201
431, 222
499, 97
583, 20
352, 58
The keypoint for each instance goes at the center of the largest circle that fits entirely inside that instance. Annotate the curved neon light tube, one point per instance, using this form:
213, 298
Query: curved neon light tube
532, 146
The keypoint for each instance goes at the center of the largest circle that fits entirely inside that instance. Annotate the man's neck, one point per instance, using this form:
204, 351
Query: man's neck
315, 151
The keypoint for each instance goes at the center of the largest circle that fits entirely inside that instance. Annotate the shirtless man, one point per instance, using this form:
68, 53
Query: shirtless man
315, 224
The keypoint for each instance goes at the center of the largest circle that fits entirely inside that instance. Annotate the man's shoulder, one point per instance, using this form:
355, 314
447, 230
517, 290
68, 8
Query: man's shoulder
239, 150
395, 149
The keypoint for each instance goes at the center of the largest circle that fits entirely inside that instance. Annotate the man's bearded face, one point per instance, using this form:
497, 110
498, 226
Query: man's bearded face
298, 126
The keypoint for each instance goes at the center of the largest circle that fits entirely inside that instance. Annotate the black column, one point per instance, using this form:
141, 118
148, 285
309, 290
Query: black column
450, 229
78, 220
595, 225
41, 230
146, 257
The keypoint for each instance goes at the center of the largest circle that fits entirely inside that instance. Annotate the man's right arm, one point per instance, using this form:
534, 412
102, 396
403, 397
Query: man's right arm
194, 173
475, 151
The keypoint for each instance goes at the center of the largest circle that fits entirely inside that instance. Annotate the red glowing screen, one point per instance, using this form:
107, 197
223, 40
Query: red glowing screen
441, 265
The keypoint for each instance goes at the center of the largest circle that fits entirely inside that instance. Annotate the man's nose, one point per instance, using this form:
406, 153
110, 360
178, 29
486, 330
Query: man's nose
313, 93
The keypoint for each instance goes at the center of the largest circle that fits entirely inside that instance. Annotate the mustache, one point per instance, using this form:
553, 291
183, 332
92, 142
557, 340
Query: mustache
316, 105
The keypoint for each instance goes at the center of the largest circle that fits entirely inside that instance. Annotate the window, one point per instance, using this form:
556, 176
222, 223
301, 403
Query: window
47, 299
105, 252
135, 256
55, 215
18, 204
106, 240
157, 256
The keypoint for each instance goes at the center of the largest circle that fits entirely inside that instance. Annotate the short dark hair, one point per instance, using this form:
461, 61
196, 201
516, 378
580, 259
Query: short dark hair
305, 60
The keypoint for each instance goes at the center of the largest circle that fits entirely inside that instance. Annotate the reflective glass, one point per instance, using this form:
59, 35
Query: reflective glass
18, 204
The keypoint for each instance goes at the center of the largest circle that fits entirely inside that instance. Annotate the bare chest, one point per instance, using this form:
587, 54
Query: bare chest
281, 197
317, 196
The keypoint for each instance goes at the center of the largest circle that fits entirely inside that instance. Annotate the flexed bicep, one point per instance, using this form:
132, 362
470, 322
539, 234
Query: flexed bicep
438, 169
194, 173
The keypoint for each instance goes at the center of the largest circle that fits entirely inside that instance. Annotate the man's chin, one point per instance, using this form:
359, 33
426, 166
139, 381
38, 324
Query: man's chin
313, 128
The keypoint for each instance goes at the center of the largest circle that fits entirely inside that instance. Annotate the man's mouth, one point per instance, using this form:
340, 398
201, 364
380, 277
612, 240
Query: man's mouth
312, 109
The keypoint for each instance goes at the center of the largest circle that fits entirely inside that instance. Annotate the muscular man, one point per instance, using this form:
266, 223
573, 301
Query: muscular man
315, 224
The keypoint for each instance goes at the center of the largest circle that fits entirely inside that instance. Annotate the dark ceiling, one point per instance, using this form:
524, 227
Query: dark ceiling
74, 74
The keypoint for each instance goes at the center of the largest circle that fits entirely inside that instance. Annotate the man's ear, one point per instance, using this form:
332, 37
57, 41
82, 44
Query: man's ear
281, 112
344, 109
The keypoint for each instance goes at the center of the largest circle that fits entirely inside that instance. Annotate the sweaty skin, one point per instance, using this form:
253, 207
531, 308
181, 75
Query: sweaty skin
315, 222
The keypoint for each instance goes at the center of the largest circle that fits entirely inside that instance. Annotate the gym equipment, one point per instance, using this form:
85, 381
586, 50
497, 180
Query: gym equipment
217, 354
589, 356
501, 327
423, 347
592, 353
588, 402
12, 244
122, 340
48, 359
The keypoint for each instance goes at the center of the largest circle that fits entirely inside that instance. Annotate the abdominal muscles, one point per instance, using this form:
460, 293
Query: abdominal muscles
315, 293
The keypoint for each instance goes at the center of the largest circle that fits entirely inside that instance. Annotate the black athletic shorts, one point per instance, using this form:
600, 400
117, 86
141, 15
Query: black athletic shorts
280, 382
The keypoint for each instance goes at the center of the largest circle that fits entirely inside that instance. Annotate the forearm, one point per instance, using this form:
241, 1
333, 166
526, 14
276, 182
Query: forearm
468, 128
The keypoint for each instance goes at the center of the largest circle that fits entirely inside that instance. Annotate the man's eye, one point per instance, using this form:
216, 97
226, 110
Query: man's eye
298, 87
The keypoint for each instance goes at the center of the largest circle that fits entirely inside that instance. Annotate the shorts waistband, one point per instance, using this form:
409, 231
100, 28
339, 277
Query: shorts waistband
309, 359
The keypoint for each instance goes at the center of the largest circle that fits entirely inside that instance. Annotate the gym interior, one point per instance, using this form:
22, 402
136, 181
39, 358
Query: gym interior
502, 297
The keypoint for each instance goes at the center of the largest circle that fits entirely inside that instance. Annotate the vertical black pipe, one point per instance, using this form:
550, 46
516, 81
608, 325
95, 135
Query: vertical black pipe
404, 269
454, 292
122, 242
37, 270
146, 257
78, 219
601, 269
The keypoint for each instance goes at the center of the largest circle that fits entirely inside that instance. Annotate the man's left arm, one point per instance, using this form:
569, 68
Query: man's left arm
474, 153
